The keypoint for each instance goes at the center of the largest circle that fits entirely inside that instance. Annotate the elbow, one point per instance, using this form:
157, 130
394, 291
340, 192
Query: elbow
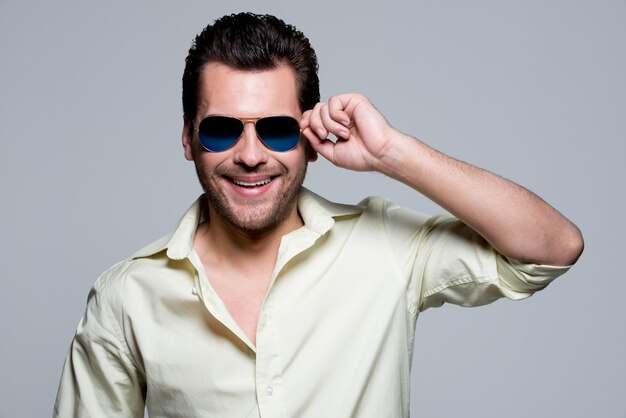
571, 246
578, 245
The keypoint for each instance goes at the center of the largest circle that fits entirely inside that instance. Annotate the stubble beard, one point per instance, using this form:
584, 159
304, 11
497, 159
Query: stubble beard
254, 217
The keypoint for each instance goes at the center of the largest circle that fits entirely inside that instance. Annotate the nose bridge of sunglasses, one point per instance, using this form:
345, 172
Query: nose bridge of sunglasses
249, 134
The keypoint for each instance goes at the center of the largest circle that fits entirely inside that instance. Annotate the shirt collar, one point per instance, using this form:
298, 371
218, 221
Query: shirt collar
317, 213
179, 242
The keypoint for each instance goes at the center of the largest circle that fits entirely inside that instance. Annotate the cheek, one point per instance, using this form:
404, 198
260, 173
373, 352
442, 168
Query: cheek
203, 161
296, 158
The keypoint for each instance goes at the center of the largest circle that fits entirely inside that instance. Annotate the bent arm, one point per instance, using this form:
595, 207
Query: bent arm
516, 222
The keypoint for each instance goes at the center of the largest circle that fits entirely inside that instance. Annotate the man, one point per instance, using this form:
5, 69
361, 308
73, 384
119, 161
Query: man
267, 300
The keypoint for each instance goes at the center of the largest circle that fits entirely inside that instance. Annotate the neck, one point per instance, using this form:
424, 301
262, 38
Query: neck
222, 241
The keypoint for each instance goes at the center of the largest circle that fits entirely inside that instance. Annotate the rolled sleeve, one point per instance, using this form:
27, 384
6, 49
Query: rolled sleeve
460, 267
520, 280
448, 262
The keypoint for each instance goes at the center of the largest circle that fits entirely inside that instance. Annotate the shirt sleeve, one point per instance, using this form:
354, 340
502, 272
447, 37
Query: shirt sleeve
99, 377
448, 262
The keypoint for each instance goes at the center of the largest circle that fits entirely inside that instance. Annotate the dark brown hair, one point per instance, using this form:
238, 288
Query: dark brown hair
248, 41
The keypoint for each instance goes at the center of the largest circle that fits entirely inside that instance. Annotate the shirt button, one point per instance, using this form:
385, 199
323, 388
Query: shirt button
269, 390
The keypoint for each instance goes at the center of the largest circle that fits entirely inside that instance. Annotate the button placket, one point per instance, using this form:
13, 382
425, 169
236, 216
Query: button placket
268, 381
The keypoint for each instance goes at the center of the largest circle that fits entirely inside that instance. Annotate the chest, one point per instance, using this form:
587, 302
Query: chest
243, 298
320, 322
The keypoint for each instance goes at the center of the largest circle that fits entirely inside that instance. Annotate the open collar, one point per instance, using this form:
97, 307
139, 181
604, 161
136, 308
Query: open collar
317, 213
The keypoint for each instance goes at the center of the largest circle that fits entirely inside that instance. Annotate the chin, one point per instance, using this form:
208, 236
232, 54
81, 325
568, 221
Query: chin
251, 217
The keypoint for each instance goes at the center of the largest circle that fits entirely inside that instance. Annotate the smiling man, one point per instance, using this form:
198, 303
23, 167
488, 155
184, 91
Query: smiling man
267, 300
251, 190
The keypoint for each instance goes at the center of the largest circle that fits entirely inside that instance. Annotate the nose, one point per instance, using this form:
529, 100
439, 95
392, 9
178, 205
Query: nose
249, 150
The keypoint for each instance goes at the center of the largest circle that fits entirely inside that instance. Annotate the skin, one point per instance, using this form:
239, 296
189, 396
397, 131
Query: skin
243, 221
512, 219
248, 222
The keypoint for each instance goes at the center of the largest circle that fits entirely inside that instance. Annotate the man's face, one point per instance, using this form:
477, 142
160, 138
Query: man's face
249, 186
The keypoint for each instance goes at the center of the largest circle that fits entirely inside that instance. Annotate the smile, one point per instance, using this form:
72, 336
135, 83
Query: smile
252, 183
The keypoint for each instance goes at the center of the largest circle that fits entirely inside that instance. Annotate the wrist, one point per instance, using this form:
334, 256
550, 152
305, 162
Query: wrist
399, 157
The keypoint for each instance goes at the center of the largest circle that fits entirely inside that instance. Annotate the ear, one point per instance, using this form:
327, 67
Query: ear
187, 136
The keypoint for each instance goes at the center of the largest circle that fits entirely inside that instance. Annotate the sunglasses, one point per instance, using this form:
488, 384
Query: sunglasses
218, 133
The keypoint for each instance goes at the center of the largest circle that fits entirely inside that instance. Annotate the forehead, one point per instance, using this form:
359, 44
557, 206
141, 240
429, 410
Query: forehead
229, 91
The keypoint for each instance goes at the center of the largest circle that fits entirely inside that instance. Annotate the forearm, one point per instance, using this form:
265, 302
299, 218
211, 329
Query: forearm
512, 219
516, 222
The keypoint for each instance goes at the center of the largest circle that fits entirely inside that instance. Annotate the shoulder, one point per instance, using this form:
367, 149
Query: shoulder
112, 286
394, 217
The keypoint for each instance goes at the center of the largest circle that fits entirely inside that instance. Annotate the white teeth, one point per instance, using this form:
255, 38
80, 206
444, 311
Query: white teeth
253, 184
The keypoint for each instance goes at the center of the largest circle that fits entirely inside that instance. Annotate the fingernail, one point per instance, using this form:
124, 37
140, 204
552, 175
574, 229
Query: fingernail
321, 133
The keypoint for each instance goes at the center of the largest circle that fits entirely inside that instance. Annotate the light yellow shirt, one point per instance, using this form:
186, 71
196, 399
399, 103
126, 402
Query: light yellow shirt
335, 332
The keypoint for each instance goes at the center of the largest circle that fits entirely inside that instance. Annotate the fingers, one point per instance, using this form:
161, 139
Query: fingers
336, 107
317, 124
315, 121
335, 117
325, 118
321, 145
332, 124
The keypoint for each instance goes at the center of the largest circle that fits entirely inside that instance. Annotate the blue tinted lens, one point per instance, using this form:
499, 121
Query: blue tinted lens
218, 133
280, 133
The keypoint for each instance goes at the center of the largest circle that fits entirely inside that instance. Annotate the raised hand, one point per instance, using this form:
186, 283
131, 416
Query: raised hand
515, 221
363, 134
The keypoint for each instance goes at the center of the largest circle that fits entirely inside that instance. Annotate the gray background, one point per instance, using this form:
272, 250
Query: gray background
92, 169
